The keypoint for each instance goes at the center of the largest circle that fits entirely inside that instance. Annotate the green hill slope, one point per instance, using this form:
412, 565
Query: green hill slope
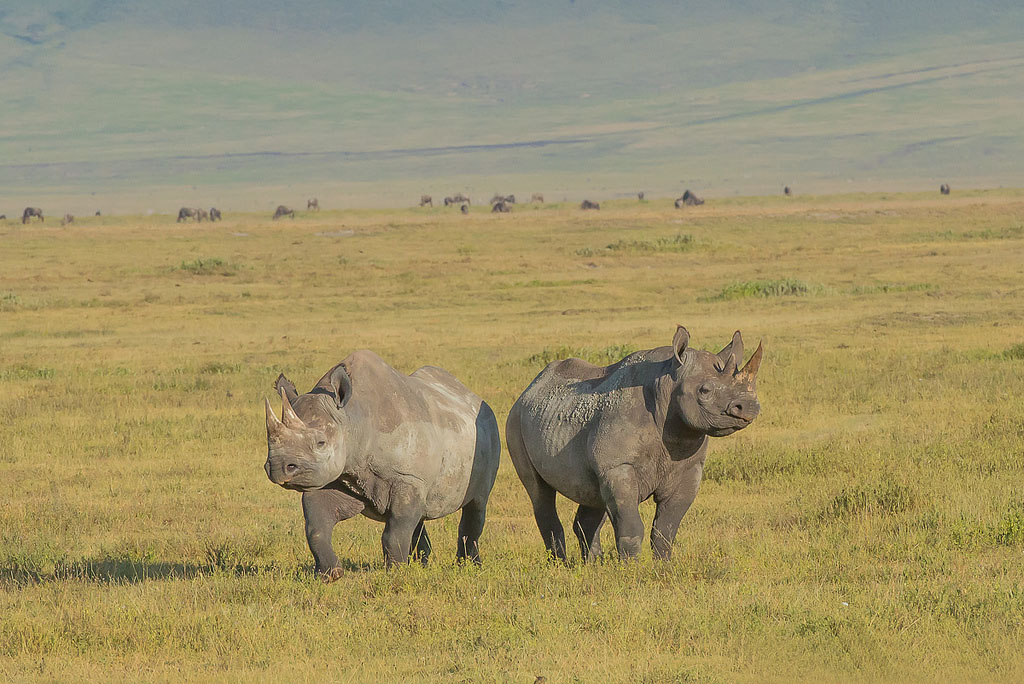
133, 104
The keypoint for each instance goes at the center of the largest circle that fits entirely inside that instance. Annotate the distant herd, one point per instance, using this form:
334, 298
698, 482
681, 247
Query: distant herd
500, 204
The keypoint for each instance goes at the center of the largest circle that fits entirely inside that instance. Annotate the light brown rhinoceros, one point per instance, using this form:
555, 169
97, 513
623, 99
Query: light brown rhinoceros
400, 449
610, 437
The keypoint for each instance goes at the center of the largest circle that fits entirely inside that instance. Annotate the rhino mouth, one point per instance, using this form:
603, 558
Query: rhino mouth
290, 476
734, 424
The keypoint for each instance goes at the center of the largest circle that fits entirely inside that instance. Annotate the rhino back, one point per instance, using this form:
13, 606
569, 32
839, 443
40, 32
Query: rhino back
424, 429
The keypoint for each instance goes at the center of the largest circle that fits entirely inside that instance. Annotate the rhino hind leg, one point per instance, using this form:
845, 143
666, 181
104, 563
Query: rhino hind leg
471, 525
587, 526
542, 495
401, 523
619, 489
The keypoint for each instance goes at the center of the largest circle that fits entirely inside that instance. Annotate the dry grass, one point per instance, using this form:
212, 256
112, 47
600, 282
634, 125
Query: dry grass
869, 526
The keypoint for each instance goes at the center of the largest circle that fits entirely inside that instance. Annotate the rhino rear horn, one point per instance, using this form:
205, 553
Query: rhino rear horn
731, 352
750, 370
288, 413
338, 384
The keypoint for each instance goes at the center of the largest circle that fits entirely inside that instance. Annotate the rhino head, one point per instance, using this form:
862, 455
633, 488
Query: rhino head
711, 393
306, 447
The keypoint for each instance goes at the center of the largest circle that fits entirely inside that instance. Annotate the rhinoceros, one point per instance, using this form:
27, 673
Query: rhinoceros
400, 449
611, 437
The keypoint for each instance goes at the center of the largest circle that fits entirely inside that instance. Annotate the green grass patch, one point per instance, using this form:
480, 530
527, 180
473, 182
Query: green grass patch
886, 288
220, 368
10, 302
1015, 352
786, 287
209, 266
677, 243
24, 372
1006, 233
600, 357
885, 497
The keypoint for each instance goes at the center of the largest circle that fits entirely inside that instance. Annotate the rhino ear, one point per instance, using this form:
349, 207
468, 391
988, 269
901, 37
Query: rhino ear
338, 384
283, 383
679, 342
732, 353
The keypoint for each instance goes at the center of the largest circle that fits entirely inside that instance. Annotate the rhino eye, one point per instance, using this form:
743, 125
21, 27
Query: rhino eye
321, 443
704, 390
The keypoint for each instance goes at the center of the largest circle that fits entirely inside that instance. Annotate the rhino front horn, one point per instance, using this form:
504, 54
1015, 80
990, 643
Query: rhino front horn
288, 414
273, 424
750, 370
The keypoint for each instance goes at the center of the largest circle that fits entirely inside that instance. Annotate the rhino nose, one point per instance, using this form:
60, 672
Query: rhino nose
282, 474
744, 409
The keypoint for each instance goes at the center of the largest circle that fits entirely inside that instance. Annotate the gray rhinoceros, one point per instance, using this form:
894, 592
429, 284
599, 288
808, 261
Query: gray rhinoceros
400, 449
610, 437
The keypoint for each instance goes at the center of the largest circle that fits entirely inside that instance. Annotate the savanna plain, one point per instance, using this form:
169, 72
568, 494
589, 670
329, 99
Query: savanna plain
868, 526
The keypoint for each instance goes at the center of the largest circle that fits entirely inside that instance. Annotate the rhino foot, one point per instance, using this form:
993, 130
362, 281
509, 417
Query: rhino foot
331, 575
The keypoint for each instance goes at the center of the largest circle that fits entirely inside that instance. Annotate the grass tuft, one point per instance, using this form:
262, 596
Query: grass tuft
209, 266
1015, 352
600, 357
884, 497
678, 243
1009, 530
786, 287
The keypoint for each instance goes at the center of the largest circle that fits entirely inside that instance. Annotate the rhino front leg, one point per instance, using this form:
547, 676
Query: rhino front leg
587, 526
322, 510
400, 523
671, 508
620, 492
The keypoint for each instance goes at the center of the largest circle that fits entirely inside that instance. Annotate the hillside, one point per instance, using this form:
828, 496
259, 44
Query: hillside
131, 105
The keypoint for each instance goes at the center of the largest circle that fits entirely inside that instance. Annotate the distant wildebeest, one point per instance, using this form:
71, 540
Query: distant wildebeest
186, 213
787, 191
501, 208
587, 204
313, 204
507, 199
283, 211
68, 218
464, 208
611, 437
688, 199
202, 215
944, 189
215, 214
98, 212
30, 212
640, 196
537, 197
3, 217
457, 198
425, 200
399, 449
